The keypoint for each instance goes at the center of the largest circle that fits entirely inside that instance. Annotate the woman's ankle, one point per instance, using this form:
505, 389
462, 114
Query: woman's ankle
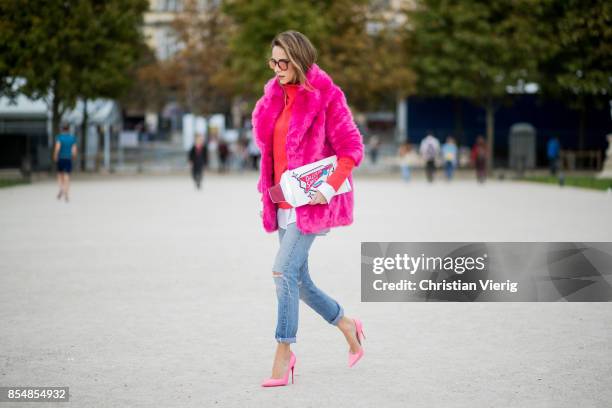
284, 349
345, 324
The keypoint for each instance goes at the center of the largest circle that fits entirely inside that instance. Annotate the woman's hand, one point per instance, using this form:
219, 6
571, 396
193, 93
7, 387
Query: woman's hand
319, 198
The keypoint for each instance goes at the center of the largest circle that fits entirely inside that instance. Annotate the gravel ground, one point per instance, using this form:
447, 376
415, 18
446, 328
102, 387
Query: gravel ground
143, 292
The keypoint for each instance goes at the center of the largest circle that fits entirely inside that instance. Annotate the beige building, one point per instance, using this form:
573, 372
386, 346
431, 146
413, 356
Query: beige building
158, 29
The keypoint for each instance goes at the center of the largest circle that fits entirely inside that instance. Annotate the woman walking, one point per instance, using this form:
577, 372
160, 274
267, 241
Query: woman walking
303, 117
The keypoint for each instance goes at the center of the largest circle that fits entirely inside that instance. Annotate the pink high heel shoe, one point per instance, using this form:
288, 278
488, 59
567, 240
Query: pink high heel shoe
354, 358
275, 382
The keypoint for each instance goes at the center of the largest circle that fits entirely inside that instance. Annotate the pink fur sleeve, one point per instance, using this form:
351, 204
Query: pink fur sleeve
257, 111
341, 130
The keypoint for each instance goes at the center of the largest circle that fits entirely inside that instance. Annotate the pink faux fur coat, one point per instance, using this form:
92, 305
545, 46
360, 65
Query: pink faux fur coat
321, 125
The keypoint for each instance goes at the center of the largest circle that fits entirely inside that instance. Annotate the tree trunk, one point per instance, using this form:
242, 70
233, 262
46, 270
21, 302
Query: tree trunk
490, 134
582, 127
459, 121
84, 136
55, 116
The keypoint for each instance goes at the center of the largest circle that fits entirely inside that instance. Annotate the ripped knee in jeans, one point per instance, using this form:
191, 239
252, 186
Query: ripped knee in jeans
280, 275
282, 286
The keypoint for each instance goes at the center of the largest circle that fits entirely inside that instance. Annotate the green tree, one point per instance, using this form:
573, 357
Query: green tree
111, 31
578, 65
66, 49
475, 49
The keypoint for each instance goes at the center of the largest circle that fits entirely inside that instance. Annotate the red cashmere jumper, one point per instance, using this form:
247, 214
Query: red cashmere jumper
344, 165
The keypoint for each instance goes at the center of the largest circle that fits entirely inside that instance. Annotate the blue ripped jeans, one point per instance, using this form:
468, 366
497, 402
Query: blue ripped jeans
294, 283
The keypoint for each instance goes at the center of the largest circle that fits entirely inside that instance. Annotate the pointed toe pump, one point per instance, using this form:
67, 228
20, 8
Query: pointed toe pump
275, 382
353, 358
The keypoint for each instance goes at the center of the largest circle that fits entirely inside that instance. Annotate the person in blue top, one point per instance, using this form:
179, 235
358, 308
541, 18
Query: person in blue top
553, 153
449, 153
65, 150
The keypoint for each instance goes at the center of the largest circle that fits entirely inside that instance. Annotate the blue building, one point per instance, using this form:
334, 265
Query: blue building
465, 121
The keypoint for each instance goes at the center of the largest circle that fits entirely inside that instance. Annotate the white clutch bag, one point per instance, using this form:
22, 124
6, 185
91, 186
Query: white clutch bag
298, 186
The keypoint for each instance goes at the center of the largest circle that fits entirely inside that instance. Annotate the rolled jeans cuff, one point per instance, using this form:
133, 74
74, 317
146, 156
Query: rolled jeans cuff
286, 339
339, 316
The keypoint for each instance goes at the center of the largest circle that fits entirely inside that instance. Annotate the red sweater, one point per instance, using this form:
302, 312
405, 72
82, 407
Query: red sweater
345, 164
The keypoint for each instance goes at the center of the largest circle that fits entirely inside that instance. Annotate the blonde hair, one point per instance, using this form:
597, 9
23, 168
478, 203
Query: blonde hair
300, 52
